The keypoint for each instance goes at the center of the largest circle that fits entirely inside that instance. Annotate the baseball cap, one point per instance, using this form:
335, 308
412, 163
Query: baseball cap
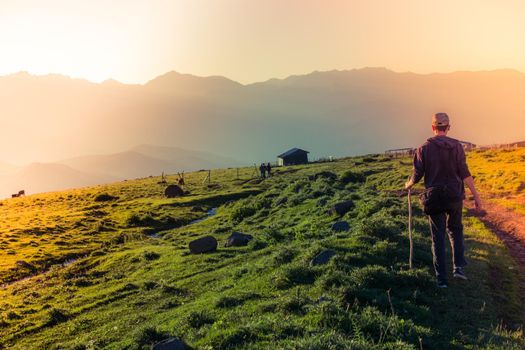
440, 119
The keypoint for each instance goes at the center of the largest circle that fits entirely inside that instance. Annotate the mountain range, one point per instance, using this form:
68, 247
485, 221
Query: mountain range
141, 161
337, 113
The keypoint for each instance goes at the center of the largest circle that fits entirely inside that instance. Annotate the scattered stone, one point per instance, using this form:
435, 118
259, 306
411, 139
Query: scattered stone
203, 245
323, 257
326, 175
341, 226
341, 208
170, 344
104, 197
238, 239
130, 286
173, 191
24, 265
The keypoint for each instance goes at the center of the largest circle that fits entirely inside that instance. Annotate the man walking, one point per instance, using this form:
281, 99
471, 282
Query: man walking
262, 169
441, 161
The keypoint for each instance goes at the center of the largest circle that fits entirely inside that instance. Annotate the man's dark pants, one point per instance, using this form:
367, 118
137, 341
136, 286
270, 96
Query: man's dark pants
451, 218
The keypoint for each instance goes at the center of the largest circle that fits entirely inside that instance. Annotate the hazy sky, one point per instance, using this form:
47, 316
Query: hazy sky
252, 40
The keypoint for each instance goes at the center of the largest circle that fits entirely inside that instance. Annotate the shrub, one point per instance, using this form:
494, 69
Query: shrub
55, 316
334, 279
369, 160
140, 220
151, 256
104, 197
333, 317
239, 213
11, 315
272, 235
352, 177
149, 285
293, 275
232, 338
374, 205
372, 276
148, 336
197, 319
294, 304
382, 226
228, 301
283, 256
416, 278
257, 244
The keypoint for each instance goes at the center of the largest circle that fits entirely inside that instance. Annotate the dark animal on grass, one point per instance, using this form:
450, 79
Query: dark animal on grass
173, 191
19, 194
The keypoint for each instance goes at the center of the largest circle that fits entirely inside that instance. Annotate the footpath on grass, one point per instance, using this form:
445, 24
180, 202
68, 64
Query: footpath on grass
509, 226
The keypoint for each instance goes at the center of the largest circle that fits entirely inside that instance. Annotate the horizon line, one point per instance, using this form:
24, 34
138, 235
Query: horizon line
112, 80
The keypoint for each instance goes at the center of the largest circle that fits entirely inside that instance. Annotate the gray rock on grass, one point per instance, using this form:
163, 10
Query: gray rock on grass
204, 244
169, 344
238, 239
341, 226
342, 208
323, 257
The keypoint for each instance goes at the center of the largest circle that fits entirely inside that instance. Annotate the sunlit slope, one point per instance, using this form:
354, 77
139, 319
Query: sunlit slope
501, 175
136, 283
41, 230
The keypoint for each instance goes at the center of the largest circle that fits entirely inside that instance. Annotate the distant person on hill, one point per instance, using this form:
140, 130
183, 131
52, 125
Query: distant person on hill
269, 169
262, 169
441, 161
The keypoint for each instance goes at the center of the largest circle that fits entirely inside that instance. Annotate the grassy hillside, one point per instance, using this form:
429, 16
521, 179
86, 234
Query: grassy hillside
133, 282
501, 175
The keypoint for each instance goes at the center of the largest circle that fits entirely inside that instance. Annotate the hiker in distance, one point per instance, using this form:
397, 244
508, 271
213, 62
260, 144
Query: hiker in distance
441, 161
262, 169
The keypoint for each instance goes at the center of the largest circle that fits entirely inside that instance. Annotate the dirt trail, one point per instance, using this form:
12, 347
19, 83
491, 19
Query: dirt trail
509, 226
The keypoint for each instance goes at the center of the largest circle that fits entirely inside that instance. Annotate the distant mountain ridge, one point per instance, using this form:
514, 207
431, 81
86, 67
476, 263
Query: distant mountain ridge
141, 161
40, 177
146, 160
327, 113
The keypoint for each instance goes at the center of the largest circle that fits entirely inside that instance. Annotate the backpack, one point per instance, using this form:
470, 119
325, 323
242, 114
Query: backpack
436, 200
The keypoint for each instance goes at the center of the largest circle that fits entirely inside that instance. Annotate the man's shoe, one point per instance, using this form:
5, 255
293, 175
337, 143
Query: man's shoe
460, 274
442, 284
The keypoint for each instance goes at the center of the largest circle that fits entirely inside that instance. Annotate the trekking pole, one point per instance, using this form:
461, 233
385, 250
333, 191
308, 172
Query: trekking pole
410, 228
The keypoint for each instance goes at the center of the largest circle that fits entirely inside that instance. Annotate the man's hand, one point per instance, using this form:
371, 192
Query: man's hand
479, 205
408, 184
469, 181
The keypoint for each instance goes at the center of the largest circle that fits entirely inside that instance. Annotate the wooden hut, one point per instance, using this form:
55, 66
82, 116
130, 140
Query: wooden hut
467, 146
400, 152
293, 156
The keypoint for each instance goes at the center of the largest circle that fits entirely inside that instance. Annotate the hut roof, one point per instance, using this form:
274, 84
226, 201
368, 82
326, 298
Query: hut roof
400, 149
466, 143
290, 152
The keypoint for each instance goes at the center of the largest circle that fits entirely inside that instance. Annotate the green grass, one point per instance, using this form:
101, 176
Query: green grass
128, 290
500, 174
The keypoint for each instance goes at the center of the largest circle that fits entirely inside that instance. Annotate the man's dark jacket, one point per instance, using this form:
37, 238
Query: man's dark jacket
441, 160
